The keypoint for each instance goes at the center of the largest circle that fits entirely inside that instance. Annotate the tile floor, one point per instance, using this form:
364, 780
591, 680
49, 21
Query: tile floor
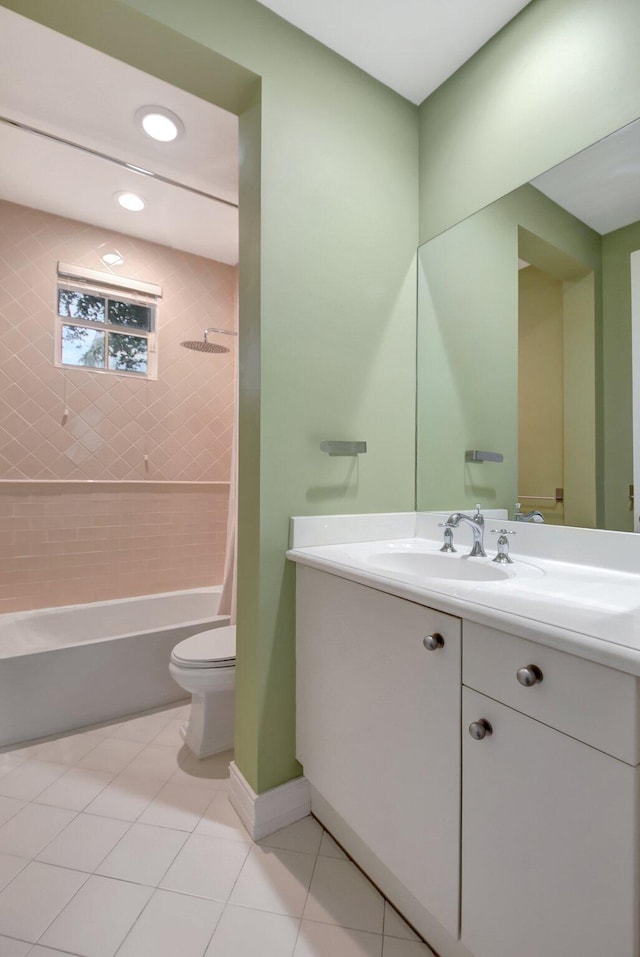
115, 840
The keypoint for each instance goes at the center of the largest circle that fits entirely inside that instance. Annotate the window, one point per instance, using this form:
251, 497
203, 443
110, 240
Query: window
105, 330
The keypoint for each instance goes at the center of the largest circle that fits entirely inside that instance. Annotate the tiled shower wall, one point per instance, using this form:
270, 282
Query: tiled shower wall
159, 522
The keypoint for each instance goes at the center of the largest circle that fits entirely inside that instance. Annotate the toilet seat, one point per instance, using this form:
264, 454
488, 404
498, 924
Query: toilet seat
215, 648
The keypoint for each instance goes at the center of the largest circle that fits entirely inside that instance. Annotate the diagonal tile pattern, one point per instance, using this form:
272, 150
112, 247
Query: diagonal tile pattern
145, 857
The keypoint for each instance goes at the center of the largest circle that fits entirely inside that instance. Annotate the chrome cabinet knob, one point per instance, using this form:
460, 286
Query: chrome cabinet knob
433, 642
531, 675
480, 729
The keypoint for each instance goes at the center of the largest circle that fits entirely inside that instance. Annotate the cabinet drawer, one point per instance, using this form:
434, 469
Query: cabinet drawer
593, 703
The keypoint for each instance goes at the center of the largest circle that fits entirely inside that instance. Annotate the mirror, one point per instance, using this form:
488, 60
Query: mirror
525, 345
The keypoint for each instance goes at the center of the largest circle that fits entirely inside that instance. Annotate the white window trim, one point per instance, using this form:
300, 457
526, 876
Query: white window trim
116, 288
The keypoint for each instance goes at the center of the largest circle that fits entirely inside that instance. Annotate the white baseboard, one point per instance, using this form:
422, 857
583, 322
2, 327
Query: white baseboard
262, 814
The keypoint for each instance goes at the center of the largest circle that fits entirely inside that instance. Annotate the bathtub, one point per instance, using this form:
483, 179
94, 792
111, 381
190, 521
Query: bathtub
62, 668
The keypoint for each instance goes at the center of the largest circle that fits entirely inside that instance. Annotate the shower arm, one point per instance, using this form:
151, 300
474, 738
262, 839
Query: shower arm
223, 332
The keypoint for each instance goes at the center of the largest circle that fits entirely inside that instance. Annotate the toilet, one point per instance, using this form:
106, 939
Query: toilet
204, 665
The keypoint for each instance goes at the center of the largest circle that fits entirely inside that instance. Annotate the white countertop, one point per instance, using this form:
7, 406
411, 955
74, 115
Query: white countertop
582, 608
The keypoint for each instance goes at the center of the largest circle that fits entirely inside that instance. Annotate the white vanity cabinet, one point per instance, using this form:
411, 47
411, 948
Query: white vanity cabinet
550, 822
378, 728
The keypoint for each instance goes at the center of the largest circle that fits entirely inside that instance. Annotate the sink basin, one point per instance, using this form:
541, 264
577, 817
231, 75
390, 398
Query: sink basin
427, 565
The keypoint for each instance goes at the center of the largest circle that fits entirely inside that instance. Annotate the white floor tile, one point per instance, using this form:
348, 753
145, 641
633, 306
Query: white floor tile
179, 804
32, 828
10, 867
110, 755
170, 735
126, 797
9, 807
15, 948
395, 926
206, 867
9, 760
98, 919
30, 779
214, 769
220, 820
396, 947
243, 932
39, 951
143, 729
75, 789
68, 750
144, 854
172, 925
274, 880
329, 848
84, 843
325, 940
341, 894
304, 836
34, 898
155, 761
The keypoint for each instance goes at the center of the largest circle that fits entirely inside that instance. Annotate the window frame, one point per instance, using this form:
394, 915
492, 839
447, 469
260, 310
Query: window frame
108, 293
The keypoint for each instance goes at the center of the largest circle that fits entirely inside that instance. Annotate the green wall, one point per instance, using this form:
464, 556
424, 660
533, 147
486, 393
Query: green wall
561, 75
617, 407
329, 174
468, 343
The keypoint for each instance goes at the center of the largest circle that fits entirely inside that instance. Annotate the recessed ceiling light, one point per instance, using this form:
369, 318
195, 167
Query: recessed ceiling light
131, 201
159, 123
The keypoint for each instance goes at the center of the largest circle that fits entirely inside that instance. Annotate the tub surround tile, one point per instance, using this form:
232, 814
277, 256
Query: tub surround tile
98, 918
31, 829
30, 779
206, 867
84, 843
35, 898
173, 924
143, 855
341, 894
75, 789
245, 931
274, 880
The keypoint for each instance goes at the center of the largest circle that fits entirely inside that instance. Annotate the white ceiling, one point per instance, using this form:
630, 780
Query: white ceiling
58, 85
600, 185
410, 45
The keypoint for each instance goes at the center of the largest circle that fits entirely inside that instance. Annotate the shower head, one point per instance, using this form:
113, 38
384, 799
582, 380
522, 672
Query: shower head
199, 345
203, 345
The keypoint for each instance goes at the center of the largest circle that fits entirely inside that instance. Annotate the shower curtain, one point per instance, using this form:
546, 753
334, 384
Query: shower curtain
228, 596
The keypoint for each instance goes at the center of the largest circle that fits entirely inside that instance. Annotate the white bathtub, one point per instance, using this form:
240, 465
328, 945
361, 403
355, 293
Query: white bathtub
62, 668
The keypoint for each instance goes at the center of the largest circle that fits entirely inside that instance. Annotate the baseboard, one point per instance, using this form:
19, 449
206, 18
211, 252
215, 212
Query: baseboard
262, 814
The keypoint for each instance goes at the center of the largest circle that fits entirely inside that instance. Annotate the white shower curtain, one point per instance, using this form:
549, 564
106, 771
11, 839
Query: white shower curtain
228, 596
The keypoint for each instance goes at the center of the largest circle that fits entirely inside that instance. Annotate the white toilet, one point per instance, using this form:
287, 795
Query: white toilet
204, 664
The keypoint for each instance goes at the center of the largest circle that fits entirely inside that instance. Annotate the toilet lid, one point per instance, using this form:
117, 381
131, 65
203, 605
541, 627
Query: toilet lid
215, 648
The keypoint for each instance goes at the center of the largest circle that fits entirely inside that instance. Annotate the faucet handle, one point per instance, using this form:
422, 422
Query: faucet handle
477, 515
503, 557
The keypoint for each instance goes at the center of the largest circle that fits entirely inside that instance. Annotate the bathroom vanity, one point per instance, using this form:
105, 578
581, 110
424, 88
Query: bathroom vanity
473, 741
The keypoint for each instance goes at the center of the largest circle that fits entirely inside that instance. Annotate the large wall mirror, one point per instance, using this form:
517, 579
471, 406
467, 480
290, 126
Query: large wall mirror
525, 346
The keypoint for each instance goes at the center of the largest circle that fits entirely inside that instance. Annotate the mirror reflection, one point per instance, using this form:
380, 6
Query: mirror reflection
525, 317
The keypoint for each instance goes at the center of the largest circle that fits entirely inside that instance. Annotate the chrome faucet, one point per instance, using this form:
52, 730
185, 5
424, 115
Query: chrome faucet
533, 516
476, 522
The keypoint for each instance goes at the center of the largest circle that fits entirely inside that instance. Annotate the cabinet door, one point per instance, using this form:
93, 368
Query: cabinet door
549, 837
378, 728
